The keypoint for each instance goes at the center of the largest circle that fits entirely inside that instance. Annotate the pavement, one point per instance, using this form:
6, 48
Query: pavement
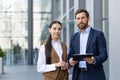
22, 72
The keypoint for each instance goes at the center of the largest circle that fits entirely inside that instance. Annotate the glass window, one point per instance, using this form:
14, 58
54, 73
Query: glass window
14, 28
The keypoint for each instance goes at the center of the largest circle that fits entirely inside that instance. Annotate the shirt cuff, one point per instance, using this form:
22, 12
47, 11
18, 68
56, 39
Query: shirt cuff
53, 67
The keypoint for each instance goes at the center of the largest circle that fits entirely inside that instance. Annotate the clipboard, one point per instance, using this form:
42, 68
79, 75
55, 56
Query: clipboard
78, 57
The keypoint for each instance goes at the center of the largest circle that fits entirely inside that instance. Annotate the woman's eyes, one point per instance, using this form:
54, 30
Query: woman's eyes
57, 28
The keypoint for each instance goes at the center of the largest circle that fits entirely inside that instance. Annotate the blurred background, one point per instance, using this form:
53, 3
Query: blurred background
24, 27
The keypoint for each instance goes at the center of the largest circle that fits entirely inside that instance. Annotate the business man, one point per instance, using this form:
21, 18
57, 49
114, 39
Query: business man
86, 41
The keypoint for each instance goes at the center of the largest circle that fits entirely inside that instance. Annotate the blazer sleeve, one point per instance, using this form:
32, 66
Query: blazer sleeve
102, 49
71, 50
73, 47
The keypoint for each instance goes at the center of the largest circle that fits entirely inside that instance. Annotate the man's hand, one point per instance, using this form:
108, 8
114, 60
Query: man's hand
89, 60
72, 62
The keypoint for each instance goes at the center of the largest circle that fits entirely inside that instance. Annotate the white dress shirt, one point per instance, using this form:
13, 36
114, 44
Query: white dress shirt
83, 43
41, 64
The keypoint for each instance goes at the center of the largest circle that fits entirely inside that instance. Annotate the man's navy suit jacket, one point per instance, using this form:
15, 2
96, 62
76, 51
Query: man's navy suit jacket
96, 44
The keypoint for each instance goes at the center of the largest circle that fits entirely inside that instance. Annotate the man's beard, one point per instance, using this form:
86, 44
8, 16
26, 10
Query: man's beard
82, 26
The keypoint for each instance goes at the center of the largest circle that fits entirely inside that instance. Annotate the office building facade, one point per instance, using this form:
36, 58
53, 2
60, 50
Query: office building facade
104, 16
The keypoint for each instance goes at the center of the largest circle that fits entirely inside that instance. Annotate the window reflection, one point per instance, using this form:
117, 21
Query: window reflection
14, 27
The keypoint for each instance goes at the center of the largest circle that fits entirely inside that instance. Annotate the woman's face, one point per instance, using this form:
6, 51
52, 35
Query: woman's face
55, 31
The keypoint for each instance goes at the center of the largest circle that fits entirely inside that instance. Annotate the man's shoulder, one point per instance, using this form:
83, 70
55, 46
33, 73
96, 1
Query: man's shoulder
75, 34
96, 31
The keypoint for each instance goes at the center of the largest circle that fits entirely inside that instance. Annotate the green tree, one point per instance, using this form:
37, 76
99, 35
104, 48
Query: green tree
1, 52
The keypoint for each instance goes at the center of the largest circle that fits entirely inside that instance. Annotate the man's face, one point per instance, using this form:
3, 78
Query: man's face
82, 20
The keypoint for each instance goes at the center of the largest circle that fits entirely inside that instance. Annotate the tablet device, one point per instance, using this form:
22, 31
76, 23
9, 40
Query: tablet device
81, 56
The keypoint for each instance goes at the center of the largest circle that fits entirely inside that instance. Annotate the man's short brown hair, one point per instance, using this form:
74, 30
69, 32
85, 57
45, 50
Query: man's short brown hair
80, 11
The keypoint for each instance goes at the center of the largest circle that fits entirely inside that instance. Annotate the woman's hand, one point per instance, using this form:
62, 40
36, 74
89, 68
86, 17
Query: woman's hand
58, 64
64, 67
62, 64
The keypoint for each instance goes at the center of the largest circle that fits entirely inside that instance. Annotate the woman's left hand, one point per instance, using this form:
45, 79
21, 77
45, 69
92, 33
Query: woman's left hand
64, 67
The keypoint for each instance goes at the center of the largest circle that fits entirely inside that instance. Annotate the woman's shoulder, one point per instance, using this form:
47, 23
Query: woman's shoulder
42, 46
63, 43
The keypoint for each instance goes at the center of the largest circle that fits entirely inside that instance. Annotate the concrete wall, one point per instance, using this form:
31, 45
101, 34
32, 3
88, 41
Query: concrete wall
114, 40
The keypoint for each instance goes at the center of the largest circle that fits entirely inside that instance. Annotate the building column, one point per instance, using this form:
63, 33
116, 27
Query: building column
67, 24
30, 32
1, 65
98, 14
61, 14
90, 8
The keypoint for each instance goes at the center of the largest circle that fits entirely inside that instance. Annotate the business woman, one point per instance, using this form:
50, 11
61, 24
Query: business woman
53, 55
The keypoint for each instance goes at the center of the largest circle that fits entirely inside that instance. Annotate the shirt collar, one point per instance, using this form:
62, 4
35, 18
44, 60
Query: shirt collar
56, 41
87, 30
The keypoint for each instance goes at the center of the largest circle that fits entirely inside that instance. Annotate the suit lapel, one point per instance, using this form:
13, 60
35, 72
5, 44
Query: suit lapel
89, 39
78, 43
